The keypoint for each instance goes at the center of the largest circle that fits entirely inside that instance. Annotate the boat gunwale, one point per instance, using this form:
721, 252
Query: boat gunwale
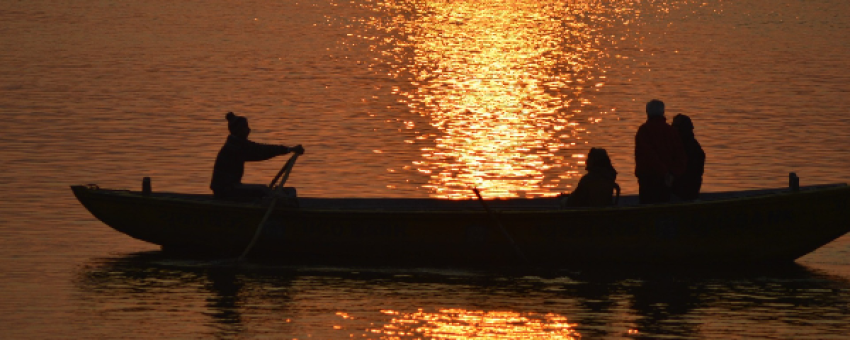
722, 198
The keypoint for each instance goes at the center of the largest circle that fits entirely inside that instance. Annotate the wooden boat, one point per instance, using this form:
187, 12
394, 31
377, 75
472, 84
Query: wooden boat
744, 227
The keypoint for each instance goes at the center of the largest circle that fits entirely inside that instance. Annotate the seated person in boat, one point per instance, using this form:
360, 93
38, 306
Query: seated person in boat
596, 188
687, 185
230, 162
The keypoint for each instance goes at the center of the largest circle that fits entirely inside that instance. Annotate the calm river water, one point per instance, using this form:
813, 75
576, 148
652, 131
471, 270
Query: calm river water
407, 98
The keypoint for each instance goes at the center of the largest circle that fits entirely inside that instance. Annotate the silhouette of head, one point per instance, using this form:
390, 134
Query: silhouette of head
682, 122
655, 108
597, 159
237, 125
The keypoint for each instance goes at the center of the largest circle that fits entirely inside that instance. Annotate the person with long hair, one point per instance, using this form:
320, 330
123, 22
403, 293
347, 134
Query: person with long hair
597, 187
687, 186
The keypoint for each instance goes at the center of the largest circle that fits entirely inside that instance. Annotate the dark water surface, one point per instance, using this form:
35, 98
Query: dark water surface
407, 99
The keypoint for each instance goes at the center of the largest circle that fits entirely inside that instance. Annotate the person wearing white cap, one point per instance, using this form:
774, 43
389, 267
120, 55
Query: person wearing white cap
659, 155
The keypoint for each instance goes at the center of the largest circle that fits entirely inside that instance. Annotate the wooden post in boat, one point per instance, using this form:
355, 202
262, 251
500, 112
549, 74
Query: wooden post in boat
794, 181
146, 186
504, 231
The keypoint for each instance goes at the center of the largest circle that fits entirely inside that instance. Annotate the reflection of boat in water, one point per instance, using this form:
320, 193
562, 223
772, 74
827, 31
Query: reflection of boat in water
744, 227
333, 302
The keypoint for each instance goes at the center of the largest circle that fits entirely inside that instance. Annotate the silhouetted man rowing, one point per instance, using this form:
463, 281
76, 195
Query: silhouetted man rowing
230, 162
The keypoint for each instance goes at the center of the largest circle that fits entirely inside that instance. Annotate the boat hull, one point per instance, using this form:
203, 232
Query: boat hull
779, 226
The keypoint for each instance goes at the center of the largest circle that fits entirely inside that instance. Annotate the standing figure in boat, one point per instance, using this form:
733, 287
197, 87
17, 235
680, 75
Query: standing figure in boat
687, 185
230, 162
659, 155
597, 187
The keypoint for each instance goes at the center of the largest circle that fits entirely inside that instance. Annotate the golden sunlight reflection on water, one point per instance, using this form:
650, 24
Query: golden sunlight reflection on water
472, 324
507, 86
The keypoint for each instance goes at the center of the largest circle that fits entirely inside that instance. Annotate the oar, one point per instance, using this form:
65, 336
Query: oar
504, 231
285, 170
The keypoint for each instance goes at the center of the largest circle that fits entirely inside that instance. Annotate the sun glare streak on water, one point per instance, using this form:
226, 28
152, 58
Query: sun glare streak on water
456, 324
508, 87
